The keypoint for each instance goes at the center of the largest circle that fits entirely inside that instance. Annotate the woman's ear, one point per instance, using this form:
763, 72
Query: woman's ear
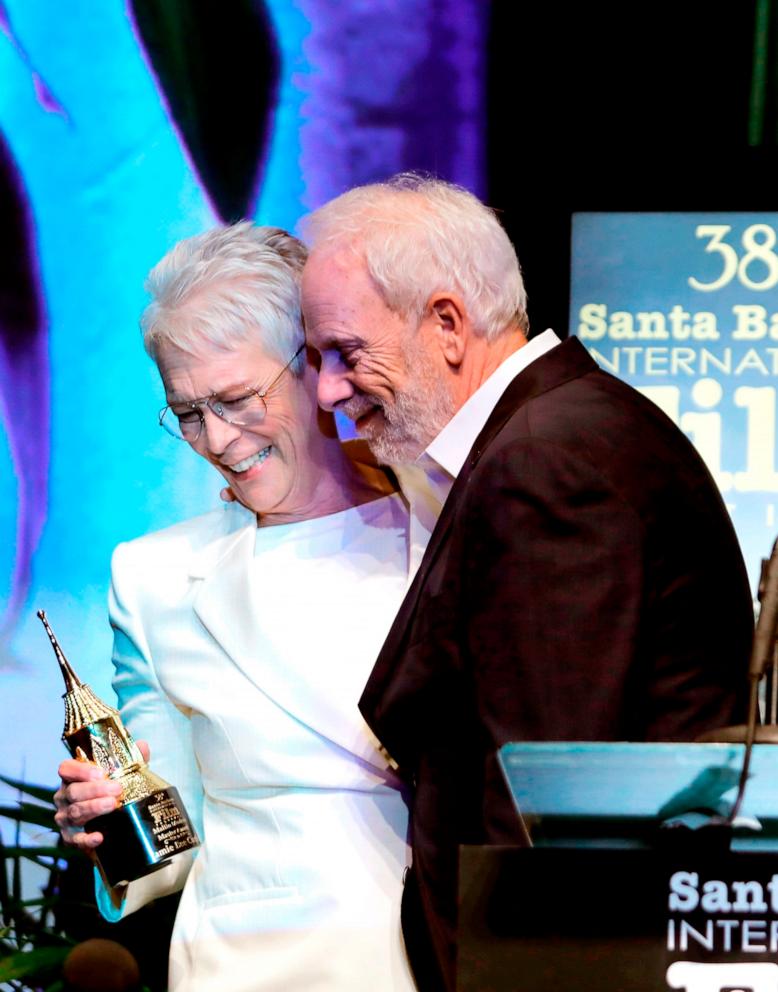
449, 325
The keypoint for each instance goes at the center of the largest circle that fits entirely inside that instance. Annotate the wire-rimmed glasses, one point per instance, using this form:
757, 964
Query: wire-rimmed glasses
185, 421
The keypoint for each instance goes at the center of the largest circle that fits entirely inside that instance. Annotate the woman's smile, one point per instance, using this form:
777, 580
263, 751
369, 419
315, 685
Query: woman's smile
256, 459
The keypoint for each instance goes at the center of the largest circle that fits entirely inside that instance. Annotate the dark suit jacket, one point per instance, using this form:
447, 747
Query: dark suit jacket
584, 582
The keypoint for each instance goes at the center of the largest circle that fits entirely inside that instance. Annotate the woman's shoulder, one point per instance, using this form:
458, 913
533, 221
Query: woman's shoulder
180, 540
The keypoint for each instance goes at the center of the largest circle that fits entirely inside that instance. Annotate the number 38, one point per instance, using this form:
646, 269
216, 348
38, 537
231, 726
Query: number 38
758, 242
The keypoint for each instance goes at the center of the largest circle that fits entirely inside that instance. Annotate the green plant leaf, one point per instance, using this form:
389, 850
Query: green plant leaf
30, 813
33, 853
16, 867
42, 792
5, 894
28, 930
26, 963
45, 902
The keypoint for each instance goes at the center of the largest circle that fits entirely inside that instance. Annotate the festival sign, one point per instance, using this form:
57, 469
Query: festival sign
684, 306
639, 919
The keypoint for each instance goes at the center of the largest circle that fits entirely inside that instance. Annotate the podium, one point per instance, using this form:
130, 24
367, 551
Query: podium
632, 884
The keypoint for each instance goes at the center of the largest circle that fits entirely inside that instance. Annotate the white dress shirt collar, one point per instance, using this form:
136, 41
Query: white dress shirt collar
450, 448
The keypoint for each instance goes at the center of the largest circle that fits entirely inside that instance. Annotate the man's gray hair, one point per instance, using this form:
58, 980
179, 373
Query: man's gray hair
418, 236
233, 284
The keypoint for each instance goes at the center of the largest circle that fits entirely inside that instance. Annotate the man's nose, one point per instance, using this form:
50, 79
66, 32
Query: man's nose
333, 389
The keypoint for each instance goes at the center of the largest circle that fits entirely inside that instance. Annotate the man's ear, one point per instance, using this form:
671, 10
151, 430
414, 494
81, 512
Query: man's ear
450, 326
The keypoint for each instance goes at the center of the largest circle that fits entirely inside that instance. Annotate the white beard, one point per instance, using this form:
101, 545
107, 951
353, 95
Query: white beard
418, 414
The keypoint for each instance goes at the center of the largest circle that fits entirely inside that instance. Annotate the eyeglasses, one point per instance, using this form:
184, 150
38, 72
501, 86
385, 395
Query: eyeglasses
249, 409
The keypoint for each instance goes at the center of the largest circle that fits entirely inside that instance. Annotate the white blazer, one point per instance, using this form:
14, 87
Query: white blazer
299, 879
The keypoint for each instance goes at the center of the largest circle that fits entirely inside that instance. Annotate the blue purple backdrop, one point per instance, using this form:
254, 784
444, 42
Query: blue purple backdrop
115, 142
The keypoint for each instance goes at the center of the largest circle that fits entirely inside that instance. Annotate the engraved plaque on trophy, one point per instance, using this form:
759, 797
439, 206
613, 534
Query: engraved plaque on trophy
151, 825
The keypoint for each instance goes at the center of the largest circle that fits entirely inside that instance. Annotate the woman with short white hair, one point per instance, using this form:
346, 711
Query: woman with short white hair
243, 639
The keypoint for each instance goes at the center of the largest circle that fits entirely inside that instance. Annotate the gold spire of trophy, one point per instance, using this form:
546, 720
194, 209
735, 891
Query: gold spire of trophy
151, 825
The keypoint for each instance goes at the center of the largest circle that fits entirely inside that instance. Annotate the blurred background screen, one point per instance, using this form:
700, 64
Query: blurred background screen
126, 126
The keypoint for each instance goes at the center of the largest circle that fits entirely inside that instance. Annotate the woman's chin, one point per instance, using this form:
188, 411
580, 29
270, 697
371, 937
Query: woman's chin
250, 488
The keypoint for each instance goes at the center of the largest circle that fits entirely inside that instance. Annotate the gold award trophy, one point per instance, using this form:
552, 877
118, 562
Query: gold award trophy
151, 825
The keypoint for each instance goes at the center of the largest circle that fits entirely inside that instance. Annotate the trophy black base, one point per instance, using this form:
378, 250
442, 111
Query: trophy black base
143, 836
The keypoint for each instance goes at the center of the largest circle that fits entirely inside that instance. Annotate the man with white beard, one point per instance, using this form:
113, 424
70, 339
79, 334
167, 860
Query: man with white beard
584, 581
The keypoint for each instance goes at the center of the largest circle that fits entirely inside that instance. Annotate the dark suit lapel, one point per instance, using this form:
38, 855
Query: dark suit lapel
567, 361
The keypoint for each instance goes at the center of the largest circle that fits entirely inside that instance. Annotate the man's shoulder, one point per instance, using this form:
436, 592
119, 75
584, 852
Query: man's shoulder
564, 408
572, 395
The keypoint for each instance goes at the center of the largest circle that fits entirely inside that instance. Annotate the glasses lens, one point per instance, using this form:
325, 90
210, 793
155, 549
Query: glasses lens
184, 426
246, 411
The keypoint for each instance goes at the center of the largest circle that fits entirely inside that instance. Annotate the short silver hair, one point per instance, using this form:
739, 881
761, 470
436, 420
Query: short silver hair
419, 235
233, 284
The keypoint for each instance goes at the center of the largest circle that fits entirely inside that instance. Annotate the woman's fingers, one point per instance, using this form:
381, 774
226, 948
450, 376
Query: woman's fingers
79, 838
83, 794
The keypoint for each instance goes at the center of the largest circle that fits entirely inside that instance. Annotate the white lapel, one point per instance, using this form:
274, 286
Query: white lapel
226, 605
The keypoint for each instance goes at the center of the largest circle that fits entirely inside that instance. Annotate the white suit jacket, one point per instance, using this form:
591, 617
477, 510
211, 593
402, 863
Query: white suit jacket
299, 880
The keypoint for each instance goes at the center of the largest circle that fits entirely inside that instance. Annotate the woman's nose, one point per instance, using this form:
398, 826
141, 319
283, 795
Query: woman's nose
217, 432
